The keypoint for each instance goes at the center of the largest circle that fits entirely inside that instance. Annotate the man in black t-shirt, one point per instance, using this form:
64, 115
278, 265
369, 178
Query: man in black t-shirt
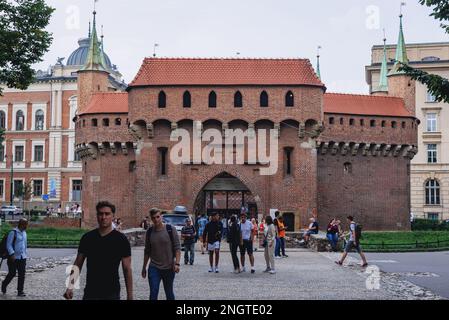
104, 249
212, 237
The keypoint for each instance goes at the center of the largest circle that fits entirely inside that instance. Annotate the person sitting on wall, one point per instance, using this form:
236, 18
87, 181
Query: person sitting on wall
313, 229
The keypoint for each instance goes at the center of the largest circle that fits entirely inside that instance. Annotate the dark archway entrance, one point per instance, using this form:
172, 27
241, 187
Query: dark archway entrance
226, 195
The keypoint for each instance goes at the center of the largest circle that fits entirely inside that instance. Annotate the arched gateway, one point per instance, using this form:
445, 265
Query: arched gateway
226, 195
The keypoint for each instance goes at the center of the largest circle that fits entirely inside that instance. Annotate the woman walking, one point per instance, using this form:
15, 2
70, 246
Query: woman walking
234, 239
269, 244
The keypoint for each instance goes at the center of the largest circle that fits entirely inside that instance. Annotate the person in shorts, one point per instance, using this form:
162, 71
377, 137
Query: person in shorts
212, 238
353, 243
246, 245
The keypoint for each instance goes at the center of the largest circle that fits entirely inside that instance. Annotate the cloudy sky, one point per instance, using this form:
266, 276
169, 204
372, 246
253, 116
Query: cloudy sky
345, 29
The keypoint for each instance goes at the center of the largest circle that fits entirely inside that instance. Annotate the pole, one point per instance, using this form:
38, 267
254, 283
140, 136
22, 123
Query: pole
11, 196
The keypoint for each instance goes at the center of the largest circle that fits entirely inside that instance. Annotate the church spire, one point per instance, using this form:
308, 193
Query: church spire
94, 56
401, 51
383, 81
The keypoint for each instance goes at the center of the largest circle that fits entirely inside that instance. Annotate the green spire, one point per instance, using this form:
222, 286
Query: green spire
383, 81
94, 56
401, 51
318, 71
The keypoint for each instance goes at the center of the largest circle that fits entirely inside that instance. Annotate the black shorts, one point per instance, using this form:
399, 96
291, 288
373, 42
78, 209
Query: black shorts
247, 247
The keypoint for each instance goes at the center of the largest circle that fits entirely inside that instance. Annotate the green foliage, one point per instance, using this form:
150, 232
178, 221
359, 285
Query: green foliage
440, 11
438, 86
426, 225
23, 39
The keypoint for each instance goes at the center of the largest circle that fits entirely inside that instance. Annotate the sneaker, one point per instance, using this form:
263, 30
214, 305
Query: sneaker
211, 270
272, 271
21, 294
236, 271
252, 270
191, 263
243, 269
285, 256
185, 262
278, 257
216, 270
267, 270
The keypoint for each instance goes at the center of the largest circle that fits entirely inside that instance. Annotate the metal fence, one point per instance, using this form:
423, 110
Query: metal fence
427, 245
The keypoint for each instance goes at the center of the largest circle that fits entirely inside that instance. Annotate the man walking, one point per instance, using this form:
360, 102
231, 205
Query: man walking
162, 246
188, 234
246, 245
212, 237
16, 245
354, 242
104, 249
202, 221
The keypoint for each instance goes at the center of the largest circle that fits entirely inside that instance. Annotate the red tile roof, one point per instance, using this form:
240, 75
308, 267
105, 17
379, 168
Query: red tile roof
107, 102
196, 71
364, 105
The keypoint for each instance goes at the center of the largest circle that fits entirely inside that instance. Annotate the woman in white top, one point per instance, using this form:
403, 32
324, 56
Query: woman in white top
269, 244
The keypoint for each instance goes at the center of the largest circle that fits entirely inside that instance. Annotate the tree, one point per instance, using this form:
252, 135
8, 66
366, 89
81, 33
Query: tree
437, 85
27, 191
23, 40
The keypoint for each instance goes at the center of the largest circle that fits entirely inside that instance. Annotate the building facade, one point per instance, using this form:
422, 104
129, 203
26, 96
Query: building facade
334, 154
40, 134
430, 167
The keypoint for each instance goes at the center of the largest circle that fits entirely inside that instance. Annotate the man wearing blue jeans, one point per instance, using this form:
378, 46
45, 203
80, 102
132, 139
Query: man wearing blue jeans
163, 247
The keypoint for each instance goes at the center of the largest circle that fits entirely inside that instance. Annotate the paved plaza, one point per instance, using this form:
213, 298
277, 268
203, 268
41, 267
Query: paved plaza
304, 275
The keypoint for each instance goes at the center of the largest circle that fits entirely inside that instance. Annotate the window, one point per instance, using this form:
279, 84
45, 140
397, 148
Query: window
18, 188
430, 97
2, 120
264, 99
212, 100
163, 161
433, 216
132, 166
94, 122
18, 154
403, 125
105, 122
432, 192
77, 187
84, 123
331, 120
383, 123
76, 156
2, 188
20, 120
2, 153
431, 153
347, 167
187, 100
373, 123
39, 120
394, 124
362, 122
289, 99
238, 100
37, 188
38, 153
351, 122
431, 122
288, 160
118, 122
162, 100
342, 121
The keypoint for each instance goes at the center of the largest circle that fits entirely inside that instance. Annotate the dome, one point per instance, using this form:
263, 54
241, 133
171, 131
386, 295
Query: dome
79, 56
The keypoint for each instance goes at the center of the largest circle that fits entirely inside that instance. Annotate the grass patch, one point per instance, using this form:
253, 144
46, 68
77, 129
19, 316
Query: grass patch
405, 241
49, 237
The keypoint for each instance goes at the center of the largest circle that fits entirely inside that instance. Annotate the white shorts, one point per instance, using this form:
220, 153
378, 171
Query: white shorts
213, 246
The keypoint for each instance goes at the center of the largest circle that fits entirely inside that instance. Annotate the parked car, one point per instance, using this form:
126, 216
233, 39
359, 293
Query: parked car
11, 210
175, 219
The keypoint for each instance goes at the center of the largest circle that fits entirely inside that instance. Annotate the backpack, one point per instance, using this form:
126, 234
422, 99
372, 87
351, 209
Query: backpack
358, 232
3, 250
170, 233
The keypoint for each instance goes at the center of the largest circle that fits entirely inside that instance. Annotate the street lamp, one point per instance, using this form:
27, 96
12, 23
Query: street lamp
11, 194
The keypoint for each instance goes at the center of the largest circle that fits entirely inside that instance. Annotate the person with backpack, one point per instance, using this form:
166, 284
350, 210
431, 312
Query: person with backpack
188, 234
234, 240
163, 250
355, 234
212, 237
14, 248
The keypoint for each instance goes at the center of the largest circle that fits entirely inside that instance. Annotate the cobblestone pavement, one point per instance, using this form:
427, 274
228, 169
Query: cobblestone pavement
304, 275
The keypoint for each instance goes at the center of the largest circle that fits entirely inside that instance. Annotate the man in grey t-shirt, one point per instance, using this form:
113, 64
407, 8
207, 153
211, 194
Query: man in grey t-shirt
163, 247
353, 242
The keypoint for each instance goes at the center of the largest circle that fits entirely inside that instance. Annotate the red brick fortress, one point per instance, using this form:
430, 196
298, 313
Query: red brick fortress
336, 154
